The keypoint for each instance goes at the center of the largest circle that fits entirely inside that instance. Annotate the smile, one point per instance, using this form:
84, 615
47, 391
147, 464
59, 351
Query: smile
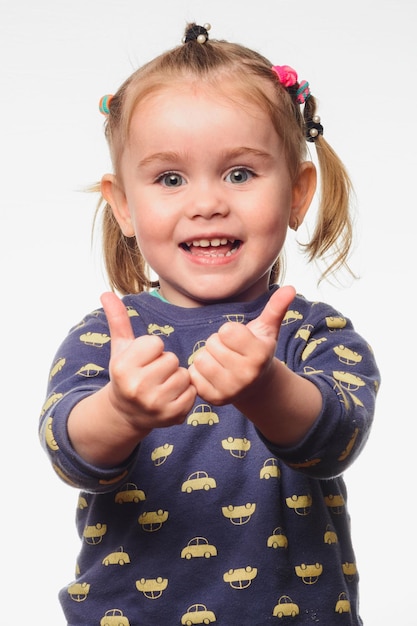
216, 247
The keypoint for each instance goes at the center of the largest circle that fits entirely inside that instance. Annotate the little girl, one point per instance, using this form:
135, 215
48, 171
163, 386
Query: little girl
208, 416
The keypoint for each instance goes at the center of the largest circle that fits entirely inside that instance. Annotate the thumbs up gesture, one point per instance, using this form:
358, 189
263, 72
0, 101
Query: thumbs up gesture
238, 366
147, 385
238, 359
148, 389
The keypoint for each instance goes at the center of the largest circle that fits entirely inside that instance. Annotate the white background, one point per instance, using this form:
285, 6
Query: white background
56, 60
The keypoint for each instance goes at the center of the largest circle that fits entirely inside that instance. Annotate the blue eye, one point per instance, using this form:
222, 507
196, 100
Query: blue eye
239, 175
171, 179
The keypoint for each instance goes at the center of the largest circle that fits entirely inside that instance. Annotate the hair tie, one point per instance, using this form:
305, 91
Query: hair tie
303, 92
104, 104
287, 76
313, 128
195, 32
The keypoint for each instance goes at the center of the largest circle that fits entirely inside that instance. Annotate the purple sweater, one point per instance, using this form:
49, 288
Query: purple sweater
207, 522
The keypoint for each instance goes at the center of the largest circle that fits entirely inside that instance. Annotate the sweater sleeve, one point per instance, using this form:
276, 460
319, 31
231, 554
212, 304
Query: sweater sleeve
80, 368
320, 344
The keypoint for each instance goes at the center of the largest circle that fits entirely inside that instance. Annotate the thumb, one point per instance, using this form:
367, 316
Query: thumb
269, 321
120, 327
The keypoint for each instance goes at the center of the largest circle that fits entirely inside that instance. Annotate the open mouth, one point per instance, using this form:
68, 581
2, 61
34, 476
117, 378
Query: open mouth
216, 247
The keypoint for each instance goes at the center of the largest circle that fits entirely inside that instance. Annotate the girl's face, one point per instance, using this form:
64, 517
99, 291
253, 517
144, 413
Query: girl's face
205, 189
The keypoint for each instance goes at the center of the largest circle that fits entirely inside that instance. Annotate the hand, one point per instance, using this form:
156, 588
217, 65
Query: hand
147, 386
237, 360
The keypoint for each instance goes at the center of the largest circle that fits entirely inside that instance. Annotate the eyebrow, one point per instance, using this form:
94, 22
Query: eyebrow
234, 153
245, 150
159, 156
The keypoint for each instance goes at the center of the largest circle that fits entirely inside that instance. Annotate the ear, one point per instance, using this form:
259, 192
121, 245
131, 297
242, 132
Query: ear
114, 195
303, 190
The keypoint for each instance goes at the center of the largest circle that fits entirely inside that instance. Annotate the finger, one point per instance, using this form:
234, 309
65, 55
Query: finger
203, 387
269, 321
117, 318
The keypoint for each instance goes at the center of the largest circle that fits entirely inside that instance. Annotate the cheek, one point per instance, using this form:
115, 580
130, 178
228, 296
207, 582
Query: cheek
153, 234
273, 217
271, 224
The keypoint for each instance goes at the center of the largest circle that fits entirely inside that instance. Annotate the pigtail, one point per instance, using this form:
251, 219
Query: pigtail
123, 263
125, 266
332, 237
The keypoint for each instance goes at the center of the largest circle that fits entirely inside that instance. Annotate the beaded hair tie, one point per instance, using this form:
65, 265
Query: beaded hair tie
198, 33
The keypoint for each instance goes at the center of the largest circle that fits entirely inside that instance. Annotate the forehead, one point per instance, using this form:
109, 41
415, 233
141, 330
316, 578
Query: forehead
194, 105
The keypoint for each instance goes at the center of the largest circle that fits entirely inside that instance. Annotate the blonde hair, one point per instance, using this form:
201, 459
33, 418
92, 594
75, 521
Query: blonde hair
211, 63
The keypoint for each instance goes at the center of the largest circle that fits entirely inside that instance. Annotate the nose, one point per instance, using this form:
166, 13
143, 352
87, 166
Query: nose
207, 200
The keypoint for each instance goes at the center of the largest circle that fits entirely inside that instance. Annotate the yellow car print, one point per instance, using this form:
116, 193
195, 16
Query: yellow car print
198, 346
347, 356
239, 515
114, 617
152, 521
198, 547
129, 493
197, 614
94, 534
285, 608
330, 536
335, 323
98, 340
78, 591
49, 435
116, 558
198, 480
335, 502
155, 329
270, 469
82, 502
349, 446
160, 454
57, 367
349, 570
50, 400
277, 539
309, 574
203, 414
90, 370
348, 381
343, 604
300, 504
291, 316
237, 447
240, 578
152, 588
304, 332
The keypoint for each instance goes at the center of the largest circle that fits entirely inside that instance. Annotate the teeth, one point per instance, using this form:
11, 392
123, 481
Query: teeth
205, 243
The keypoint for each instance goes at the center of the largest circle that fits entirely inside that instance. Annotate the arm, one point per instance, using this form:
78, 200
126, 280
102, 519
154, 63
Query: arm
239, 366
308, 410
147, 389
105, 394
283, 407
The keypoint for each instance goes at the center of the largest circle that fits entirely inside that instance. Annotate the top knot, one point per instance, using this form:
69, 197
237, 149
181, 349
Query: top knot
194, 32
